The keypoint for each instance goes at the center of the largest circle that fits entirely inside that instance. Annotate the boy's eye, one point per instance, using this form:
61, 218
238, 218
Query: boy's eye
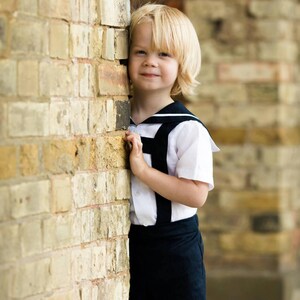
140, 52
164, 54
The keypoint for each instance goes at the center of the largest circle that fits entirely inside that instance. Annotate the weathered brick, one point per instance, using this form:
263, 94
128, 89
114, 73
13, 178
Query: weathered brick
55, 79
5, 203
290, 135
29, 160
59, 39
110, 115
121, 42
89, 225
97, 38
81, 264
28, 6
86, 153
251, 201
60, 156
90, 189
115, 13
112, 79
30, 278
229, 135
114, 147
59, 118
98, 268
237, 179
256, 243
84, 188
7, 5
61, 200
206, 112
108, 51
8, 77
5, 276
214, 10
233, 116
247, 156
28, 84
254, 72
233, 30
3, 34
264, 136
8, 162
84, 11
281, 29
28, 36
55, 8
28, 119
122, 114
87, 80
289, 116
286, 51
289, 93
123, 184
79, 117
97, 116
266, 223
109, 220
58, 232
259, 118
263, 93
88, 291
81, 40
115, 288
60, 270
29, 245
273, 9
10, 243
122, 258
30, 198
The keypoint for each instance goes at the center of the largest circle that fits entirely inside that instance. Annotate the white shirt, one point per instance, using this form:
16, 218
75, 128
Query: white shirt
189, 156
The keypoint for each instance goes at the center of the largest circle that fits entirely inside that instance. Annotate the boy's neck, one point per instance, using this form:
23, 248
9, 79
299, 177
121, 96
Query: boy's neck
143, 107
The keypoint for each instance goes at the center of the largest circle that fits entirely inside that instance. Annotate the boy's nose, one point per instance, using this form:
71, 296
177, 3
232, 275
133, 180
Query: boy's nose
150, 61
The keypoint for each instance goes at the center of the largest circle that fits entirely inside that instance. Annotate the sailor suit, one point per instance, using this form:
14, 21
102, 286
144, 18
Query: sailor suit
166, 247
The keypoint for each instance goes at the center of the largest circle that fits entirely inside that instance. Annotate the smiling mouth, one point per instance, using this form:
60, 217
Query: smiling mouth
149, 75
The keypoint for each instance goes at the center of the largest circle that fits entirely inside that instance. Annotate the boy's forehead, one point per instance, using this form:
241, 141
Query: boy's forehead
143, 34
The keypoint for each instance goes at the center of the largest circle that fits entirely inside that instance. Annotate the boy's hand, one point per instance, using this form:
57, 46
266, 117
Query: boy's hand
136, 157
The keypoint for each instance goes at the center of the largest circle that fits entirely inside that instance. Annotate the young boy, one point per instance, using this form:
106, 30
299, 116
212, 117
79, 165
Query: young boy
170, 158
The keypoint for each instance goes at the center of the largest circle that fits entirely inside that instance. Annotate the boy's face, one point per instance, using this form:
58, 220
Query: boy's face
150, 69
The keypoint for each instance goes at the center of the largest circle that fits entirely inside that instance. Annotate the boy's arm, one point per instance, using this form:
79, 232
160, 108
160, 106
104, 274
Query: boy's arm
188, 192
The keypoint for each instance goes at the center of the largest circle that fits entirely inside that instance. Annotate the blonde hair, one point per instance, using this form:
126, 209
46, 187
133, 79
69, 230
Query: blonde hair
174, 33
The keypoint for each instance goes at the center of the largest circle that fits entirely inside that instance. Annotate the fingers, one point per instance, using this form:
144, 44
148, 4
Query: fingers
135, 141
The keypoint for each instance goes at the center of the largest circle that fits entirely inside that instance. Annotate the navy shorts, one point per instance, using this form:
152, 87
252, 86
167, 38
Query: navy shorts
166, 261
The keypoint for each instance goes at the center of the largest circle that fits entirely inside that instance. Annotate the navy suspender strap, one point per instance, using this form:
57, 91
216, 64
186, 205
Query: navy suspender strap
158, 148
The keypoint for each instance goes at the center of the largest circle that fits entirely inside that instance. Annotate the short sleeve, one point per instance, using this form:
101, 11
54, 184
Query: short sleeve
194, 148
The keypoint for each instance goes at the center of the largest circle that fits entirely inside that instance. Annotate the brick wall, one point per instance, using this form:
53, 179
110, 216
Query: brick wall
64, 186
250, 100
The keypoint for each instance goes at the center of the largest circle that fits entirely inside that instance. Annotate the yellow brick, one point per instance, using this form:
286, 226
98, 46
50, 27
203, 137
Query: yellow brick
115, 154
250, 201
290, 136
60, 156
29, 160
8, 162
264, 136
86, 153
247, 242
228, 135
